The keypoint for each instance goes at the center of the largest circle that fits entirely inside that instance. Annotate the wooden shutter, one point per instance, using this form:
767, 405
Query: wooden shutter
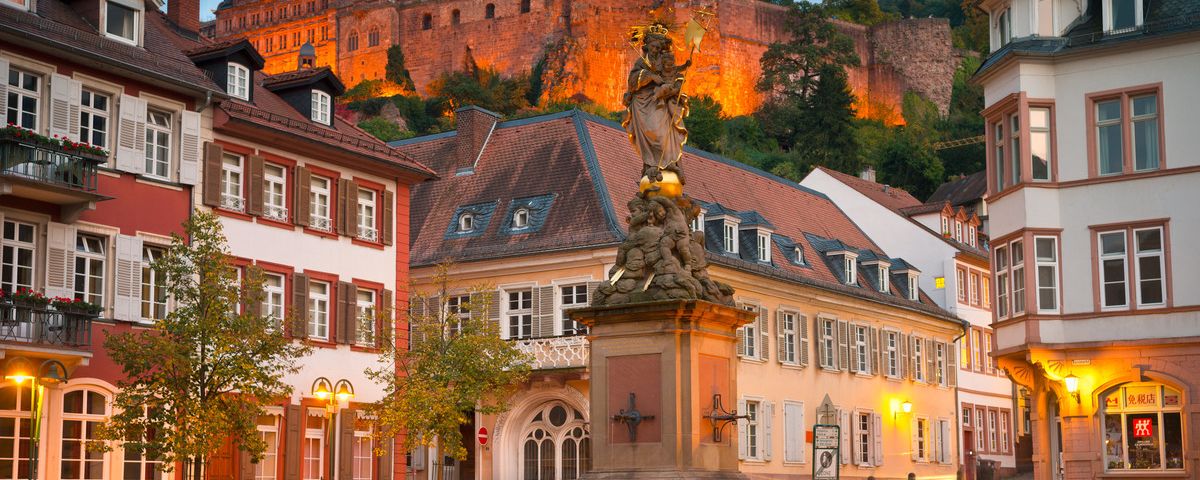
913, 447
914, 365
944, 441
384, 462
843, 341
351, 216
245, 465
299, 305
131, 135
873, 340
543, 314
854, 431
385, 326
254, 198
952, 366
302, 198
742, 432
794, 430
780, 340
768, 418
930, 362
764, 349
211, 195
255, 308
844, 429
802, 345
345, 443
819, 341
493, 313
4, 87
877, 436
65, 98
189, 148
60, 259
293, 436
389, 214
338, 316
127, 277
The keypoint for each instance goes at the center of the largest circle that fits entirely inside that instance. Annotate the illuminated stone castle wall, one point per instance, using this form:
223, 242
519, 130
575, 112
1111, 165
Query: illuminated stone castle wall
584, 44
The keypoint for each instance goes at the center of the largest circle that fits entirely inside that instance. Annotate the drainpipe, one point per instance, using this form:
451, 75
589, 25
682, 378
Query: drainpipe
962, 461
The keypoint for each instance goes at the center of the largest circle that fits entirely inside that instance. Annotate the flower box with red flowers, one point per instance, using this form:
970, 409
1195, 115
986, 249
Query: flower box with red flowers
75, 305
25, 297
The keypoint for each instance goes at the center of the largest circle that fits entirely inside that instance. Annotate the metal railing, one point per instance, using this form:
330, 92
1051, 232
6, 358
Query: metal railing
44, 326
47, 164
1166, 25
551, 353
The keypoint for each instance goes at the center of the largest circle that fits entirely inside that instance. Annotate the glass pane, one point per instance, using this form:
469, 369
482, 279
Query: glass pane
1047, 293
1149, 240
73, 402
1045, 249
547, 460
1114, 445
1146, 105
1143, 441
531, 462
1110, 110
1112, 243
1145, 144
1173, 439
1110, 148
1039, 148
1123, 14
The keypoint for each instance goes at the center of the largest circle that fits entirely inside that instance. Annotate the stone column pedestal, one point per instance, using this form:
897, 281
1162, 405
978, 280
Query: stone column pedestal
671, 357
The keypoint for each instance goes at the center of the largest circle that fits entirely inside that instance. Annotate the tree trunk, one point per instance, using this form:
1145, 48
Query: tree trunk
441, 459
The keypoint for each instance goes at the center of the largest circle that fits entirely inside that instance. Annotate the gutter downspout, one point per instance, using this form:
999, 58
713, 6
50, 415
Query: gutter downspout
958, 403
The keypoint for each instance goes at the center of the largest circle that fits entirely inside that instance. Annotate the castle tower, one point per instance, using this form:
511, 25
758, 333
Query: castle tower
307, 57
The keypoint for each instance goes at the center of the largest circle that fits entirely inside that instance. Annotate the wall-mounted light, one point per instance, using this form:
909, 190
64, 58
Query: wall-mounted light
906, 407
1072, 383
899, 407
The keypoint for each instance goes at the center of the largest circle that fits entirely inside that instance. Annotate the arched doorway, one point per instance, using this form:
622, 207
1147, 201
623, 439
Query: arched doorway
555, 444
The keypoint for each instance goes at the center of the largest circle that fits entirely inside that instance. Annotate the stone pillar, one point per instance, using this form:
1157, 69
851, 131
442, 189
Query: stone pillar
672, 356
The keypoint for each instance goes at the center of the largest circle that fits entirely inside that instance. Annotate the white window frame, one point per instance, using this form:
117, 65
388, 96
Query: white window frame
921, 438
237, 80
1017, 271
572, 293
25, 94
153, 280
918, 359
698, 222
517, 316
1134, 120
1123, 257
363, 451
764, 247
366, 217
364, 308
829, 346
1099, 125
1160, 253
233, 180
322, 105
274, 298
139, 15
730, 238
311, 434
15, 245
993, 435
84, 418
318, 309
884, 272
88, 113
750, 334
891, 349
158, 154
1002, 275
268, 468
1044, 130
520, 219
789, 337
466, 222
850, 265
864, 438
91, 256
914, 287
754, 450
1046, 263
939, 364
319, 216
275, 192
860, 345
1138, 17
455, 307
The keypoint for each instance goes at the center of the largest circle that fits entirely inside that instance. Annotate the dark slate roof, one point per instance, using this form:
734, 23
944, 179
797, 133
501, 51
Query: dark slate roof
753, 219
57, 29
588, 163
305, 76
1162, 18
961, 192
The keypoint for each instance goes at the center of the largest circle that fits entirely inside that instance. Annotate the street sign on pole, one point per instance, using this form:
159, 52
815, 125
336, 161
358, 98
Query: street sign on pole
482, 435
826, 441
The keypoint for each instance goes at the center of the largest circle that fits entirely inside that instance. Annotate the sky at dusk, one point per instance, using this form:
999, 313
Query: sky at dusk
206, 8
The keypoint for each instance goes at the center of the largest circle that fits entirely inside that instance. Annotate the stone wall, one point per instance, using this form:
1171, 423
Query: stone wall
587, 53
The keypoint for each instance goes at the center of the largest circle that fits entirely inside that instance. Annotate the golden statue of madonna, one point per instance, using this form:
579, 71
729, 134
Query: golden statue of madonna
657, 106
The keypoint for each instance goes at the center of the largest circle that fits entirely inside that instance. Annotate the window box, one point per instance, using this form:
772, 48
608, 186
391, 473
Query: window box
26, 154
370, 235
275, 212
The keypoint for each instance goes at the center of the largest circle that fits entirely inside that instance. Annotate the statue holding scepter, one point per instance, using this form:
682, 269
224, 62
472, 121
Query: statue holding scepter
657, 106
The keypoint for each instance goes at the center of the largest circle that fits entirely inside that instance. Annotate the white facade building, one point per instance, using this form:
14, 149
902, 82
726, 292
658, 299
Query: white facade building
943, 242
1092, 192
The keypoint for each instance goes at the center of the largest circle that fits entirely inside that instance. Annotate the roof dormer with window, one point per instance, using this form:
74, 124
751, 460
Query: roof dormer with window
879, 273
231, 65
528, 214
906, 278
310, 91
123, 20
721, 229
754, 236
470, 220
847, 261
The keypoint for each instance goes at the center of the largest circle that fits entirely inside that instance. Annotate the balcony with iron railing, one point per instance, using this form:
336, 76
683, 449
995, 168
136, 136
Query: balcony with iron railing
49, 170
38, 326
554, 353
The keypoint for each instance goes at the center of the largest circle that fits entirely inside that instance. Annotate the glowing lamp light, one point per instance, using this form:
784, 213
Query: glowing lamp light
321, 388
906, 407
19, 370
1072, 383
345, 391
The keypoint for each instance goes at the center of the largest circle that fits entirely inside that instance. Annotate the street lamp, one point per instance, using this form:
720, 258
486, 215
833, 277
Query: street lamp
50, 372
1072, 384
333, 394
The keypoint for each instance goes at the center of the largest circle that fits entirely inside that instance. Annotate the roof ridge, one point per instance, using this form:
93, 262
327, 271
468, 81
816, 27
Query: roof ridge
592, 163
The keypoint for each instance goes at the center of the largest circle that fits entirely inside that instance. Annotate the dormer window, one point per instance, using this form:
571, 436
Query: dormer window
698, 222
730, 238
764, 247
799, 252
945, 225
1121, 16
238, 81
971, 235
466, 223
883, 278
850, 265
914, 291
123, 20
321, 107
958, 230
520, 218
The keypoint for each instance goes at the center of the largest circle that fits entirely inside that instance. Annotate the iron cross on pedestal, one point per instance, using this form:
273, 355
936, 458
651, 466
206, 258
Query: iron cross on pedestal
631, 418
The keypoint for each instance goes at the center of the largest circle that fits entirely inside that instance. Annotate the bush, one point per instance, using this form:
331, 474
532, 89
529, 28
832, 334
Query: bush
384, 129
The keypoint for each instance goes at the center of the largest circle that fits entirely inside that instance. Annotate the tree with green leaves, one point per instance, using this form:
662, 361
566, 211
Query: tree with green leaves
201, 376
395, 70
862, 12
790, 68
826, 132
455, 364
705, 123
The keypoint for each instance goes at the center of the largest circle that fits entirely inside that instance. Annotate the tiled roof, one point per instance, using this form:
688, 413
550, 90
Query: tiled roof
891, 197
213, 46
271, 111
57, 28
591, 167
302, 75
960, 192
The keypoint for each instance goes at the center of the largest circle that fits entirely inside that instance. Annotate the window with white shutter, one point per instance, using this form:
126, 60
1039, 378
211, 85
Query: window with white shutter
786, 327
127, 301
131, 135
65, 101
794, 432
766, 447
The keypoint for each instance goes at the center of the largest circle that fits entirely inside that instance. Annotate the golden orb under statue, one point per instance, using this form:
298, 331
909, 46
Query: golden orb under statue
669, 186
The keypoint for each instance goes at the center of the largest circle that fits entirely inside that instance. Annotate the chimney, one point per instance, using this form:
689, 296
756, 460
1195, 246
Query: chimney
868, 174
474, 128
185, 14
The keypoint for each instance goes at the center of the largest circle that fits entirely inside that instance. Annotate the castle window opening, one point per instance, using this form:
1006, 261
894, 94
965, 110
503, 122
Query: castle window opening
352, 41
373, 37
490, 11
525, 4
455, 17
426, 22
